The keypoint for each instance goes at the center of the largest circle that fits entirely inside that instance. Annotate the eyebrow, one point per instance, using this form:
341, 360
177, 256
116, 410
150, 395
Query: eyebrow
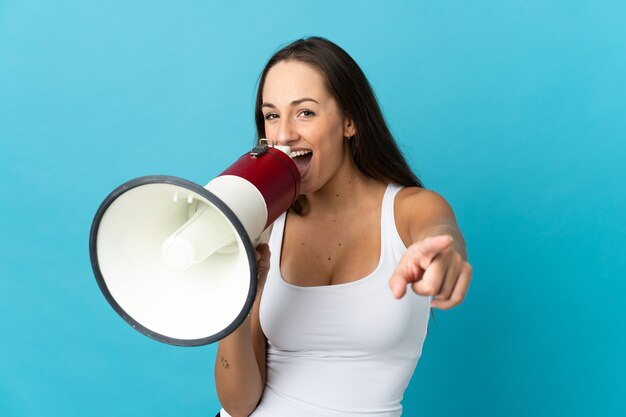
293, 103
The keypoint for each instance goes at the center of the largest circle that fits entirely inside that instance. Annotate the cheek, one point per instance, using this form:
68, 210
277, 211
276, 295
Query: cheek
327, 136
272, 132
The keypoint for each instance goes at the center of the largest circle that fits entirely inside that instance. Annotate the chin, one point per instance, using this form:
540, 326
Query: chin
306, 188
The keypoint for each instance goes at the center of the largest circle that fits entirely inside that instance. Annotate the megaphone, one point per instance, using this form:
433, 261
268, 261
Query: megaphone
177, 260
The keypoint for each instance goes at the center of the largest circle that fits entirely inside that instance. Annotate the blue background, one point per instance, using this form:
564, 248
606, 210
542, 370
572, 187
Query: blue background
513, 110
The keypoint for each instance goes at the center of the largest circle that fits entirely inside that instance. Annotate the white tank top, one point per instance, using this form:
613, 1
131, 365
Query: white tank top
341, 350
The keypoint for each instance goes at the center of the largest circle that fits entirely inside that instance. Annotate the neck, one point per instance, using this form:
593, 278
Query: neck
347, 189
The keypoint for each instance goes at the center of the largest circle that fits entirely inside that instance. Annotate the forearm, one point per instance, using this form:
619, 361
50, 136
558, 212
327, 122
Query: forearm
237, 375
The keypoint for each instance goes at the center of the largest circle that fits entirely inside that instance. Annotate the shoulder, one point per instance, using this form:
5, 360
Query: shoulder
416, 209
415, 200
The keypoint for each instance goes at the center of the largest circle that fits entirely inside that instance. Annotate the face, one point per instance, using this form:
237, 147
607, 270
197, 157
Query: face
301, 113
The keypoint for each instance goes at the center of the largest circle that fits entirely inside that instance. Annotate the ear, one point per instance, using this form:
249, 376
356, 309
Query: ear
349, 128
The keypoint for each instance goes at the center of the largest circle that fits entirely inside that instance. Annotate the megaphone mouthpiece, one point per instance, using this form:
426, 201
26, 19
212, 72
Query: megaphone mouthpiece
283, 148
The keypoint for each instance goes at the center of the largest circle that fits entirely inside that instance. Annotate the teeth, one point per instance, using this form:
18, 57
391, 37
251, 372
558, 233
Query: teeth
293, 154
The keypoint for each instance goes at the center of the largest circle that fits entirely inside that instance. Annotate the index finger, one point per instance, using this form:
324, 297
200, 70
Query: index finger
433, 245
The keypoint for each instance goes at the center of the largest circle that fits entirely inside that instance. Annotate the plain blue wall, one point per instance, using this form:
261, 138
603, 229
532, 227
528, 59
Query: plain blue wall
513, 110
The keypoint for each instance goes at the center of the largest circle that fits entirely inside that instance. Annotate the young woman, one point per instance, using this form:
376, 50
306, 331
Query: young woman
334, 331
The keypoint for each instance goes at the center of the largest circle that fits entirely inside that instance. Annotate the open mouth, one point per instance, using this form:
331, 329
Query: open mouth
302, 159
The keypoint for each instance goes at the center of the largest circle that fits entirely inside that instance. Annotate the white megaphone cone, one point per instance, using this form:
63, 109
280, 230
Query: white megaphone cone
176, 260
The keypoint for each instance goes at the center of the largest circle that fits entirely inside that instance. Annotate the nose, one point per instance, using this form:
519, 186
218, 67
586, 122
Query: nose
286, 132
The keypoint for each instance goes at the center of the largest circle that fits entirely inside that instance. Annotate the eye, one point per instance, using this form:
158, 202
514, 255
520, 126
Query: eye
270, 116
307, 113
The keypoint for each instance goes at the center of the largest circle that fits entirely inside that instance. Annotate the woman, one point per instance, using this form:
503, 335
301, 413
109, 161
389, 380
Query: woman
333, 330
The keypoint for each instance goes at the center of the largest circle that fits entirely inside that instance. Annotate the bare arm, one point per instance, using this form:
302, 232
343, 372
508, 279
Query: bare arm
240, 364
431, 215
435, 262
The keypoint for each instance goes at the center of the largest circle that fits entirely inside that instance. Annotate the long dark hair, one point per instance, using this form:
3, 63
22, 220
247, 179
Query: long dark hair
374, 150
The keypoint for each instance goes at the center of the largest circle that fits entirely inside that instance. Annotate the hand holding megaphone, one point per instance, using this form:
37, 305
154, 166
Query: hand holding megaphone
176, 260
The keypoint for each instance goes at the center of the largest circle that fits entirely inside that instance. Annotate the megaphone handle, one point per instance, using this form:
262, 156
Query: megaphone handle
265, 236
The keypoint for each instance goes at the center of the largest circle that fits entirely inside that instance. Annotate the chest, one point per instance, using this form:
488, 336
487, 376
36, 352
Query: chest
330, 251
